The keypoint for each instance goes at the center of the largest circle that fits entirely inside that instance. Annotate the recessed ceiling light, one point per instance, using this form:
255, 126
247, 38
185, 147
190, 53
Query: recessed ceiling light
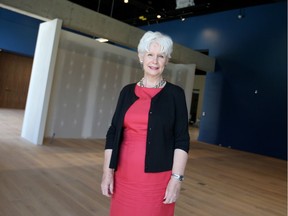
102, 40
126, 1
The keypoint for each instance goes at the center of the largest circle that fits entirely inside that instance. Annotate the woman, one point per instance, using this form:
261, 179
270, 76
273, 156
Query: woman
147, 143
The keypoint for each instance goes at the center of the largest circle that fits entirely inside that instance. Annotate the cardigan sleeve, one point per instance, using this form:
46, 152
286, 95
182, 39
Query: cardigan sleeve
181, 128
126, 98
111, 133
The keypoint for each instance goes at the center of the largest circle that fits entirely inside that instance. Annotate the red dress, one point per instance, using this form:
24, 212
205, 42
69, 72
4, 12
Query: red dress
137, 193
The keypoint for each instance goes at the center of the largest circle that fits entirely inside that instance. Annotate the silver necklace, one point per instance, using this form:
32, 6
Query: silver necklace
158, 85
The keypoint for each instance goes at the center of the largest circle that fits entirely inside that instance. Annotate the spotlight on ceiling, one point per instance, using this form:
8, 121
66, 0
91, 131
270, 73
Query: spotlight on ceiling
143, 18
102, 40
158, 16
126, 1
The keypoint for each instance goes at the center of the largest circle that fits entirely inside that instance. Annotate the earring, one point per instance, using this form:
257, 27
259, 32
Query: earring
141, 62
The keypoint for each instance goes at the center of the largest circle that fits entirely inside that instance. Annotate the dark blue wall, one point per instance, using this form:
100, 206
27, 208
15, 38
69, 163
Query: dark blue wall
251, 55
18, 33
245, 99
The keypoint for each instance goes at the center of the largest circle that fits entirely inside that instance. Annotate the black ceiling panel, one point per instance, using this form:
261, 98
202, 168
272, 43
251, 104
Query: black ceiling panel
144, 12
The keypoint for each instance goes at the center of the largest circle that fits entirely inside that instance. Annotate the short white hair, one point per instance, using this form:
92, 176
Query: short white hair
163, 40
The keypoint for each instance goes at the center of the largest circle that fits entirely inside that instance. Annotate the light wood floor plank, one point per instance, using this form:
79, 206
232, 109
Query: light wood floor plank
62, 178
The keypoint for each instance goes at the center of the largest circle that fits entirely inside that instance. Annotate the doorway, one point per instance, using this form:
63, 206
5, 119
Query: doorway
194, 106
15, 72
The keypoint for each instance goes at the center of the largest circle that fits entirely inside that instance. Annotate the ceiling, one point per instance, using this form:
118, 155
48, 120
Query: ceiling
144, 12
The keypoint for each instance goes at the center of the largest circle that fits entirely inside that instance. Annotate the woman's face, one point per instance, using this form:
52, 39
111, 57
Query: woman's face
154, 61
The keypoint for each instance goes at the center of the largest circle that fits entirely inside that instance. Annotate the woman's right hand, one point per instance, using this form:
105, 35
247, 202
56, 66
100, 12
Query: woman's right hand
107, 184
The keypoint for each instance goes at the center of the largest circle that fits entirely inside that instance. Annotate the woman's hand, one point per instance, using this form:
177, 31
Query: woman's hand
172, 191
174, 185
107, 184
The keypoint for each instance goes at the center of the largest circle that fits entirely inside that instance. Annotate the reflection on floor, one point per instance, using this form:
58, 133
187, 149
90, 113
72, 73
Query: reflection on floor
193, 132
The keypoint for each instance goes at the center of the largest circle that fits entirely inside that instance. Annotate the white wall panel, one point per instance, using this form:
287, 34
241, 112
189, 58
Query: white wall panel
88, 78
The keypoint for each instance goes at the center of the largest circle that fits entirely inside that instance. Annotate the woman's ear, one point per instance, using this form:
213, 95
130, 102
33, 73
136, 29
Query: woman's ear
140, 56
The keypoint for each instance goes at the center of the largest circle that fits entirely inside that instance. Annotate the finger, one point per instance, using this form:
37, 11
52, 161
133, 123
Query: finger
165, 197
105, 191
167, 200
170, 199
107, 194
110, 189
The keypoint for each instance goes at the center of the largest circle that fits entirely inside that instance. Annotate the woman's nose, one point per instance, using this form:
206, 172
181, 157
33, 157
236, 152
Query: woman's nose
155, 59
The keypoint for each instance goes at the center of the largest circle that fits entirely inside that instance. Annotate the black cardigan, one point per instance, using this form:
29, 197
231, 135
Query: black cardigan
167, 127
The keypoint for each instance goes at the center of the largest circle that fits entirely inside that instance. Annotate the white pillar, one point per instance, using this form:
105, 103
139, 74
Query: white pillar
41, 81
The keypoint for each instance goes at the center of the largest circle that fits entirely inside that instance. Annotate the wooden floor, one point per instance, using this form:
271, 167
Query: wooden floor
62, 178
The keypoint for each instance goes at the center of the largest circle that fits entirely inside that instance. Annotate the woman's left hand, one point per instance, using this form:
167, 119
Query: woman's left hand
172, 191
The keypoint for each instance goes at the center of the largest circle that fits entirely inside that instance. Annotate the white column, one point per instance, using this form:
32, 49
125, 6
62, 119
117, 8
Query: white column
41, 81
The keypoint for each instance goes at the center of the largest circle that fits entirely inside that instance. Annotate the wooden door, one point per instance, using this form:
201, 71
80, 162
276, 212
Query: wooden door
15, 72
